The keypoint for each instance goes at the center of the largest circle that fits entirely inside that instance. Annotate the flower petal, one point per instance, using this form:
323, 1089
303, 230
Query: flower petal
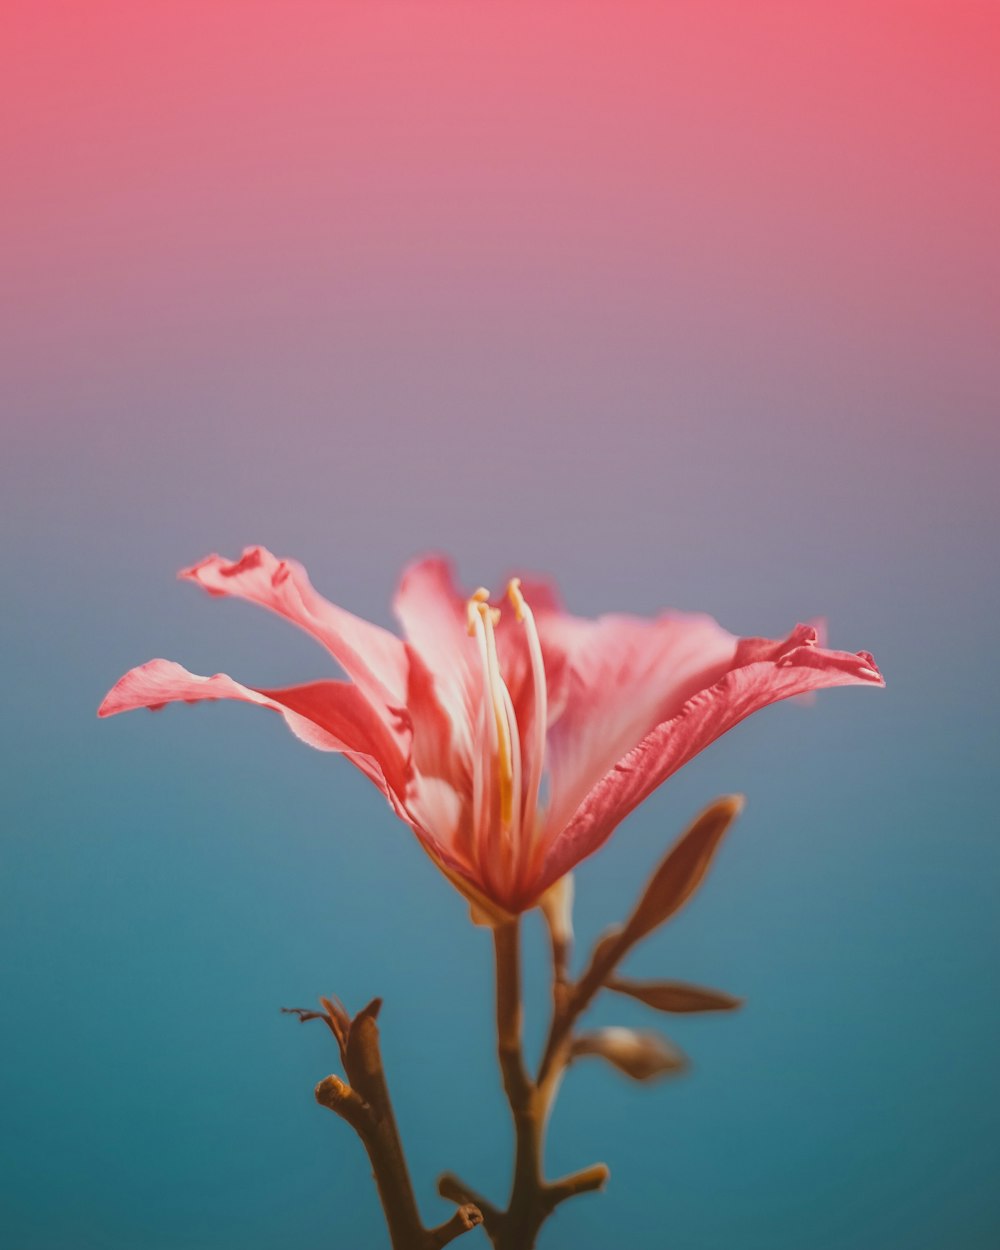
372, 657
621, 677
432, 611
762, 673
331, 716
328, 715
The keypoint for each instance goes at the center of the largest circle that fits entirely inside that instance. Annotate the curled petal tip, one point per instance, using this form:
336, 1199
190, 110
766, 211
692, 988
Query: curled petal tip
870, 669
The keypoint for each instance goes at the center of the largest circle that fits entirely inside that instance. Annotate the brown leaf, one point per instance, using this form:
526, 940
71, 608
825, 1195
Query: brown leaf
641, 1056
683, 869
338, 1020
675, 996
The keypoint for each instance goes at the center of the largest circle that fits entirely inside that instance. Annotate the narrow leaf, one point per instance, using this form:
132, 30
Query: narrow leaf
675, 996
683, 869
641, 1056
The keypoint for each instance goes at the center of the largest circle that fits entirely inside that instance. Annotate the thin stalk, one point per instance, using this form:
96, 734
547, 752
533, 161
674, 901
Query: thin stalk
521, 1219
532, 1198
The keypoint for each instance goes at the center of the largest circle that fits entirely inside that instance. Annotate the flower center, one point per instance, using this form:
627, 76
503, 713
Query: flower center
501, 785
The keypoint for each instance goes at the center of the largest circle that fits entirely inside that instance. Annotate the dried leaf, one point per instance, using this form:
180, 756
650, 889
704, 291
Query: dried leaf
683, 869
338, 1019
675, 996
640, 1055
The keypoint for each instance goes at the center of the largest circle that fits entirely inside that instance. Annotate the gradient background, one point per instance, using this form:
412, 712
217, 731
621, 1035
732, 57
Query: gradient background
689, 304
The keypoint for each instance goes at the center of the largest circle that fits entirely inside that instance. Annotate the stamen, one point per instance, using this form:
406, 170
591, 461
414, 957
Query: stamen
472, 608
525, 615
514, 819
475, 607
516, 598
503, 738
485, 734
498, 691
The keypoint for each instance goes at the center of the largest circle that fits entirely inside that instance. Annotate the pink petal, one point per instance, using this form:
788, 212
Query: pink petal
372, 657
328, 715
433, 748
331, 716
432, 612
762, 672
622, 676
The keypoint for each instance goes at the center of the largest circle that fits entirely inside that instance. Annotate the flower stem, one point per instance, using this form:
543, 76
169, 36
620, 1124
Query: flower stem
523, 1216
532, 1198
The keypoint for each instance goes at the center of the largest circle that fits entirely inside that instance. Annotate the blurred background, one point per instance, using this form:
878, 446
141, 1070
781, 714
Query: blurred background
690, 305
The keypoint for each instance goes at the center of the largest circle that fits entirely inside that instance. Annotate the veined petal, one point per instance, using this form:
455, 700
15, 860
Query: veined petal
763, 672
328, 715
372, 657
622, 676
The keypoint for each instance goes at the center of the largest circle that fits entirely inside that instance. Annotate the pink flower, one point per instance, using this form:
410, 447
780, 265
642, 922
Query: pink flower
513, 739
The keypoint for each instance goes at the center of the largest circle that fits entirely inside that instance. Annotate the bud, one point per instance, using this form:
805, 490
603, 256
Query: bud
641, 1056
683, 869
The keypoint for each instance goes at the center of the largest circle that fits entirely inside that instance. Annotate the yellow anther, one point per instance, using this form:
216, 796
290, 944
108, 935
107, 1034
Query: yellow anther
515, 596
478, 603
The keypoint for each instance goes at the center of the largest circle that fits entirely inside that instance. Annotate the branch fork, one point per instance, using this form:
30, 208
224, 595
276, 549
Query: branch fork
364, 1104
363, 1099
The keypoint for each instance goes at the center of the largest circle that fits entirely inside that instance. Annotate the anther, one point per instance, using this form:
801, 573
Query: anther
516, 598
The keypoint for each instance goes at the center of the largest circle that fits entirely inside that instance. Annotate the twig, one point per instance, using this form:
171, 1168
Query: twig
455, 1190
586, 1181
465, 1219
366, 1106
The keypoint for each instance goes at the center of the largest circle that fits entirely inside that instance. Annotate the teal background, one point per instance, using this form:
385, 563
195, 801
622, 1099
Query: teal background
691, 307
